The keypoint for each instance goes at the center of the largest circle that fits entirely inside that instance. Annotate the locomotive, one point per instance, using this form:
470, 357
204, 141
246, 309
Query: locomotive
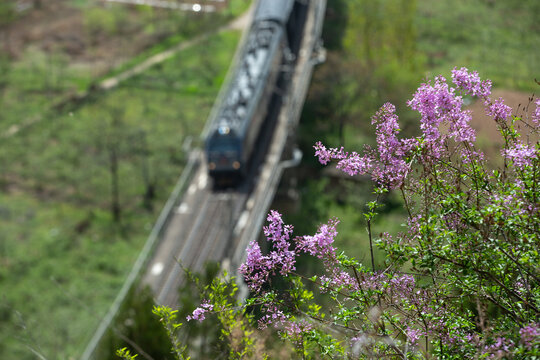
270, 48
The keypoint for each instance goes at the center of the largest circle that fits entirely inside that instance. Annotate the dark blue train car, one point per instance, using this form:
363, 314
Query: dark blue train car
235, 127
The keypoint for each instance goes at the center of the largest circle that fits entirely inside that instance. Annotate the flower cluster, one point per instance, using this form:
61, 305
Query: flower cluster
442, 118
536, 114
199, 313
530, 335
273, 315
499, 349
520, 154
413, 335
470, 83
352, 164
438, 104
320, 244
387, 165
498, 110
258, 268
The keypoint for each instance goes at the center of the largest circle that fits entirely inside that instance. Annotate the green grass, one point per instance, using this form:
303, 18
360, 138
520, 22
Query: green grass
499, 39
62, 258
34, 83
57, 279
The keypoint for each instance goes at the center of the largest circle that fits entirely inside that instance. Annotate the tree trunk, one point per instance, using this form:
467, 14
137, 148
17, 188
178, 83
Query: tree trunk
115, 195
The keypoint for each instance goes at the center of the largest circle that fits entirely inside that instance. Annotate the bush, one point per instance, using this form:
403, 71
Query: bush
461, 281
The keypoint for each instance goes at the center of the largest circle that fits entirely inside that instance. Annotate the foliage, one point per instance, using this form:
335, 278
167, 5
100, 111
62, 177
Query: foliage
131, 326
460, 282
168, 318
7, 12
125, 354
236, 337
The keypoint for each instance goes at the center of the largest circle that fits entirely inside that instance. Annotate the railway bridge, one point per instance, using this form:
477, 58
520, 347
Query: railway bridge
200, 224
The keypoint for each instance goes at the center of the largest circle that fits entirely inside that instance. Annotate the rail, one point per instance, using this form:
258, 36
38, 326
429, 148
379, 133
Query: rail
293, 106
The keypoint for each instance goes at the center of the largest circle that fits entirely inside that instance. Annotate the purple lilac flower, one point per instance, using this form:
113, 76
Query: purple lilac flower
352, 164
386, 238
499, 348
498, 110
439, 104
279, 234
320, 244
198, 313
375, 281
388, 166
530, 335
355, 164
402, 286
413, 226
392, 167
327, 154
520, 154
470, 83
258, 268
295, 330
387, 128
273, 316
536, 114
470, 154
413, 335
454, 221
425, 102
338, 279
460, 129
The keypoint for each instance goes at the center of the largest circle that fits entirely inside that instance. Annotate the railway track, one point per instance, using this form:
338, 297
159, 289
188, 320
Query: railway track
199, 231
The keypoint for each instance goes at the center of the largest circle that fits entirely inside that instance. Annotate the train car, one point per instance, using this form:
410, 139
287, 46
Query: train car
234, 130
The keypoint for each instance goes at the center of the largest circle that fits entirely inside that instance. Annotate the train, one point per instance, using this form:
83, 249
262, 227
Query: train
267, 57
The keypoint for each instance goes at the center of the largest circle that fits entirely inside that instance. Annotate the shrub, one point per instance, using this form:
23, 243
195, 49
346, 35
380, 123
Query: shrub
461, 281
